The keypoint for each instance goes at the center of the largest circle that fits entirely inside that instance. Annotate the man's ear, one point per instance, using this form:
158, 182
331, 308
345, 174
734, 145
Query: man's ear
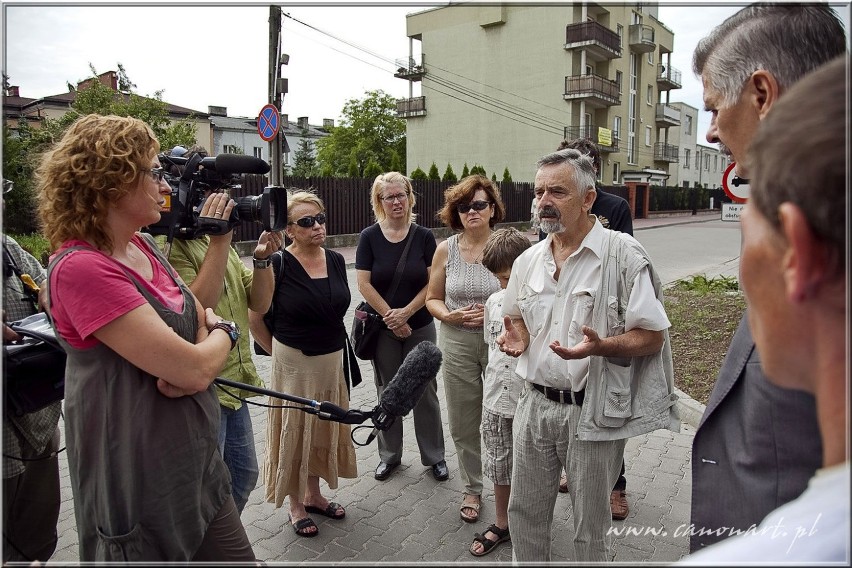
589, 200
763, 90
806, 264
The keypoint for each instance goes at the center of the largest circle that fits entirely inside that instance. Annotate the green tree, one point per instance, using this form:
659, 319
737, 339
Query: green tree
449, 175
418, 174
433, 173
465, 171
507, 177
304, 161
21, 153
372, 170
396, 164
369, 129
353, 170
494, 177
477, 170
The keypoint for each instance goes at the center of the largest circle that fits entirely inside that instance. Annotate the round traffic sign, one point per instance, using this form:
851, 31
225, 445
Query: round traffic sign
735, 187
268, 122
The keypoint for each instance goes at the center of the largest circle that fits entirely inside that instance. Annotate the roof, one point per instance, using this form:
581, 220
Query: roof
250, 123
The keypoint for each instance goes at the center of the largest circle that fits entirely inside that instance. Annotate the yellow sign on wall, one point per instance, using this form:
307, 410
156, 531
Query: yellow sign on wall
604, 136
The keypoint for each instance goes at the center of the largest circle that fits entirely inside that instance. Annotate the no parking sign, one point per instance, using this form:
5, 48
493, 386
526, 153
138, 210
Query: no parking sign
268, 122
735, 187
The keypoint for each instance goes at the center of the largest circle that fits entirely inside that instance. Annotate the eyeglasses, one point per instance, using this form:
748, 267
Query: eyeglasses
397, 196
159, 174
308, 222
475, 205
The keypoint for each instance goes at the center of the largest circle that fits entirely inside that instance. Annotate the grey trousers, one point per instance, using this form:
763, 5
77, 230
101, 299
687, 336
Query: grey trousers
544, 438
465, 359
428, 427
31, 503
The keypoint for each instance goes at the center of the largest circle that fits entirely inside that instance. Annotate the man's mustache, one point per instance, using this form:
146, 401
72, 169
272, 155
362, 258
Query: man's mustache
549, 211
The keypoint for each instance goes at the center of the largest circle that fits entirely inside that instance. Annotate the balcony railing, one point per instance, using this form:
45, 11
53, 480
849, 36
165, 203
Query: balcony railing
409, 69
666, 153
407, 108
668, 78
667, 115
641, 38
594, 89
592, 132
600, 42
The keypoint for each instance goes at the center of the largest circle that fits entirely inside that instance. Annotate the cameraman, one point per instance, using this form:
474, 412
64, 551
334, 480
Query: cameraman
220, 280
30, 466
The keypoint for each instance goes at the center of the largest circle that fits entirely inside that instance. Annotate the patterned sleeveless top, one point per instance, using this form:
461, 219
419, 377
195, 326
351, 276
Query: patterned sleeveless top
466, 283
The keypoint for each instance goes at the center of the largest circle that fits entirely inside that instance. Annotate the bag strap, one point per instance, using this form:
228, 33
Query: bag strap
401, 264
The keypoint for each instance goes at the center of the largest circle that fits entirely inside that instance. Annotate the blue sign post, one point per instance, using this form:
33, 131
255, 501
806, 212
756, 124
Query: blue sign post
268, 122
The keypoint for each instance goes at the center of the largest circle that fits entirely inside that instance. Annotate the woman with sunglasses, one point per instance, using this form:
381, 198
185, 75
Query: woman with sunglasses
458, 286
141, 413
380, 249
307, 344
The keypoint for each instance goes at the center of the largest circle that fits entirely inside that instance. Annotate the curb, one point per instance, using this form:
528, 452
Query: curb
687, 409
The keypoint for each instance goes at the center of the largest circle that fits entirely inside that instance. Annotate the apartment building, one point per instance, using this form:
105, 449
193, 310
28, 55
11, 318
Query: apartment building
699, 165
501, 85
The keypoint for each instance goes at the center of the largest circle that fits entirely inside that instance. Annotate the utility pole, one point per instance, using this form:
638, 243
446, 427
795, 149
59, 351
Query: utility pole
277, 90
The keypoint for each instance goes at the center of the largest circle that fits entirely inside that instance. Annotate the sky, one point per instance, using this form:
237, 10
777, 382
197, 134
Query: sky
218, 54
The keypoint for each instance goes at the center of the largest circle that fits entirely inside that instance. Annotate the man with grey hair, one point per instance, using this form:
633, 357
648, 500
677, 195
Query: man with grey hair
583, 311
754, 448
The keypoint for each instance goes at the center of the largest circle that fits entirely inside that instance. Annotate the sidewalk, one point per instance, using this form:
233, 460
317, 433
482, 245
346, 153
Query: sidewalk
412, 518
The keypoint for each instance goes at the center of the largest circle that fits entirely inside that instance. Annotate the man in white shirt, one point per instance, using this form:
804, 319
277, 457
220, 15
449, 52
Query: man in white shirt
584, 314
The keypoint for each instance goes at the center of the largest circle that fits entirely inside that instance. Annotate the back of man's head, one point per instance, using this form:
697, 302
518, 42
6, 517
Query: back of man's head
585, 146
787, 40
800, 157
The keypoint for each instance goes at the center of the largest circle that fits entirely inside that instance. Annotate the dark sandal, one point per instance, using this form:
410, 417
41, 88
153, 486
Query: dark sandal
487, 544
330, 511
300, 526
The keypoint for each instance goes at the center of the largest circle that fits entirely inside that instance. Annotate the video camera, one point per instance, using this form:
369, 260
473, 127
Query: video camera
191, 177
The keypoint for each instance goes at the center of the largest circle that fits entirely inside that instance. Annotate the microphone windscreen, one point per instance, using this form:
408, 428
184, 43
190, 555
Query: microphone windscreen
417, 370
227, 164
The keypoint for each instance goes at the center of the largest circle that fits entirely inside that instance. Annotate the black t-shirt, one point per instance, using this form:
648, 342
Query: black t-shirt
309, 311
613, 212
380, 256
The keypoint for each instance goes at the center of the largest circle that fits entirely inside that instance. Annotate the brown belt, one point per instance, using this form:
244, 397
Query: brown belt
563, 396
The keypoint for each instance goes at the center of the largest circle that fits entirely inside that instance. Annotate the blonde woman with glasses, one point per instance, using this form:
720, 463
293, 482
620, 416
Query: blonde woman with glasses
377, 260
307, 343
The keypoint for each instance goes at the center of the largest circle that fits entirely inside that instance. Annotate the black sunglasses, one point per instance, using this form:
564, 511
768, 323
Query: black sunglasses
308, 222
158, 174
475, 205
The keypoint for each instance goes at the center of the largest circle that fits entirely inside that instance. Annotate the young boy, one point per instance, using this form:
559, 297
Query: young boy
501, 388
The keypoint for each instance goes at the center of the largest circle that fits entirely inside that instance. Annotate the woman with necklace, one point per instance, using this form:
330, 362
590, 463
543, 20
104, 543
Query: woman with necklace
377, 259
307, 344
458, 286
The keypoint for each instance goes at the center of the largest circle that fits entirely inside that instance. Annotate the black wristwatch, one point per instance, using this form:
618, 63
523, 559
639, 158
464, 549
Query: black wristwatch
231, 328
262, 262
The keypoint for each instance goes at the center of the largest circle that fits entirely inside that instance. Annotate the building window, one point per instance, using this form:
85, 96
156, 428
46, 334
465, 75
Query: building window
647, 136
686, 158
650, 57
618, 80
231, 149
716, 163
258, 152
616, 127
619, 29
650, 95
615, 173
590, 70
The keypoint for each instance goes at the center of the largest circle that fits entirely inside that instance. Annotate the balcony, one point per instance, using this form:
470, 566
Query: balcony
595, 90
667, 116
408, 108
592, 132
407, 68
641, 38
666, 153
668, 78
600, 42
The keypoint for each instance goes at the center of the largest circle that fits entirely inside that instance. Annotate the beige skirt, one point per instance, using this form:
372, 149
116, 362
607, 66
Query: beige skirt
300, 444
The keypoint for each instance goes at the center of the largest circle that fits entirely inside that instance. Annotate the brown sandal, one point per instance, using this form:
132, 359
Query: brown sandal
487, 544
475, 506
